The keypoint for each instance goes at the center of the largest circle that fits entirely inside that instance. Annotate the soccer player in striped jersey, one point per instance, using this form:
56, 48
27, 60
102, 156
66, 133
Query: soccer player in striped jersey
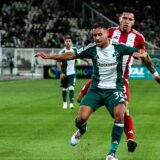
126, 34
67, 73
107, 83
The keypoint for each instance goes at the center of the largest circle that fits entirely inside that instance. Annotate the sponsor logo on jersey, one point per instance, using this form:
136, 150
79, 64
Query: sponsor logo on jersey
115, 37
115, 54
106, 64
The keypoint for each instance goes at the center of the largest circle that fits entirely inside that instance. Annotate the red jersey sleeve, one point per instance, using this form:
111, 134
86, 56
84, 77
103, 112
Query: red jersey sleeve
139, 41
86, 86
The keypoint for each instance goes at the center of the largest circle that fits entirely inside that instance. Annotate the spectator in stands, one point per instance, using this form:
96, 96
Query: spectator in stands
14, 14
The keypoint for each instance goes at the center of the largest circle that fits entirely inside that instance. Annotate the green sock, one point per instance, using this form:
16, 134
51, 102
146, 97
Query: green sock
71, 96
83, 128
117, 132
64, 95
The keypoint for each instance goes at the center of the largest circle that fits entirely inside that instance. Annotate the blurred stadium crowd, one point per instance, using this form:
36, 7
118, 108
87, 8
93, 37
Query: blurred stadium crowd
43, 24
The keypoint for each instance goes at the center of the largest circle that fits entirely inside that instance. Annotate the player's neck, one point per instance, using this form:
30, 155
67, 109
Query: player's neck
106, 44
125, 30
68, 48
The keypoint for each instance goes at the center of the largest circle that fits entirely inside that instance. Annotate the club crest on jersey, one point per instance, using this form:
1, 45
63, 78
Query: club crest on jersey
115, 54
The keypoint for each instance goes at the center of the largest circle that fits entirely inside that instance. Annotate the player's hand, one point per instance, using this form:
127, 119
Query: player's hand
62, 76
80, 96
144, 55
42, 55
157, 78
143, 52
140, 54
136, 55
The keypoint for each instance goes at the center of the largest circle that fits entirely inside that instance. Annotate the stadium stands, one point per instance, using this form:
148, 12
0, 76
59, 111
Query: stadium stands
26, 24
148, 17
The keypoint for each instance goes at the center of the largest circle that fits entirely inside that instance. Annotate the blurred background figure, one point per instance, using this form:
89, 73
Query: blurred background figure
67, 73
10, 63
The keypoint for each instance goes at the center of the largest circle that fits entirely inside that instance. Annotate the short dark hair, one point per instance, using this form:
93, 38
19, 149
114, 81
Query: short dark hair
129, 10
67, 37
100, 24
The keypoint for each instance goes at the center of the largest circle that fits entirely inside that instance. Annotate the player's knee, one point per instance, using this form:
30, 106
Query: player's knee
119, 112
71, 88
119, 117
64, 89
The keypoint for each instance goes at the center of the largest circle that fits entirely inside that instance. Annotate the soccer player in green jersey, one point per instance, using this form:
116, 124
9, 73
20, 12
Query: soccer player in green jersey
126, 34
107, 83
67, 73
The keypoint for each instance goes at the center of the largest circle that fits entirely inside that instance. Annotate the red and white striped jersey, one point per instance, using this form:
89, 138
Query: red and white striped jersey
132, 39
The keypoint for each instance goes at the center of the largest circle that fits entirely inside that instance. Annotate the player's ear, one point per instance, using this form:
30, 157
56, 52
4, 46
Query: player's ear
133, 21
107, 32
120, 18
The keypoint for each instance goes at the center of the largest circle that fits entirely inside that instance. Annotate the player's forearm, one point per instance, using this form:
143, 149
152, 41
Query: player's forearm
65, 56
86, 87
149, 64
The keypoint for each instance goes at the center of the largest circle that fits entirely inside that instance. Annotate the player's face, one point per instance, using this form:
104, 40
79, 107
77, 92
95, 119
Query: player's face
68, 43
100, 37
126, 21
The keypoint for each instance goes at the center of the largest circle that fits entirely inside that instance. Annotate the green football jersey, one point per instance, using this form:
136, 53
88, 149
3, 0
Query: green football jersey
107, 64
68, 66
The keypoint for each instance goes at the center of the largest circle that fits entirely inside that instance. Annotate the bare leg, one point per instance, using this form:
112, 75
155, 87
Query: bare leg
82, 117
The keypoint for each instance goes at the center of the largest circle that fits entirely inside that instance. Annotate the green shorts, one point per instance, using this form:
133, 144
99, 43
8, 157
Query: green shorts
96, 98
68, 81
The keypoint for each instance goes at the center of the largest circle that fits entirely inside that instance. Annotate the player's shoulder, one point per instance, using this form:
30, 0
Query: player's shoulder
115, 42
74, 49
89, 46
118, 44
138, 34
62, 51
113, 28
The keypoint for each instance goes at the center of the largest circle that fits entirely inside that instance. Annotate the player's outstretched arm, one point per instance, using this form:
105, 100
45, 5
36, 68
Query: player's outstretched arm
42, 55
149, 64
80, 96
65, 56
157, 78
139, 54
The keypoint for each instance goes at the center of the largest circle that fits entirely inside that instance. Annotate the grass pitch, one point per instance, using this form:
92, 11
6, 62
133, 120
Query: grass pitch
33, 125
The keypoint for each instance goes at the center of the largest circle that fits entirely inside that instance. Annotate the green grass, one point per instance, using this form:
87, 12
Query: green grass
33, 125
